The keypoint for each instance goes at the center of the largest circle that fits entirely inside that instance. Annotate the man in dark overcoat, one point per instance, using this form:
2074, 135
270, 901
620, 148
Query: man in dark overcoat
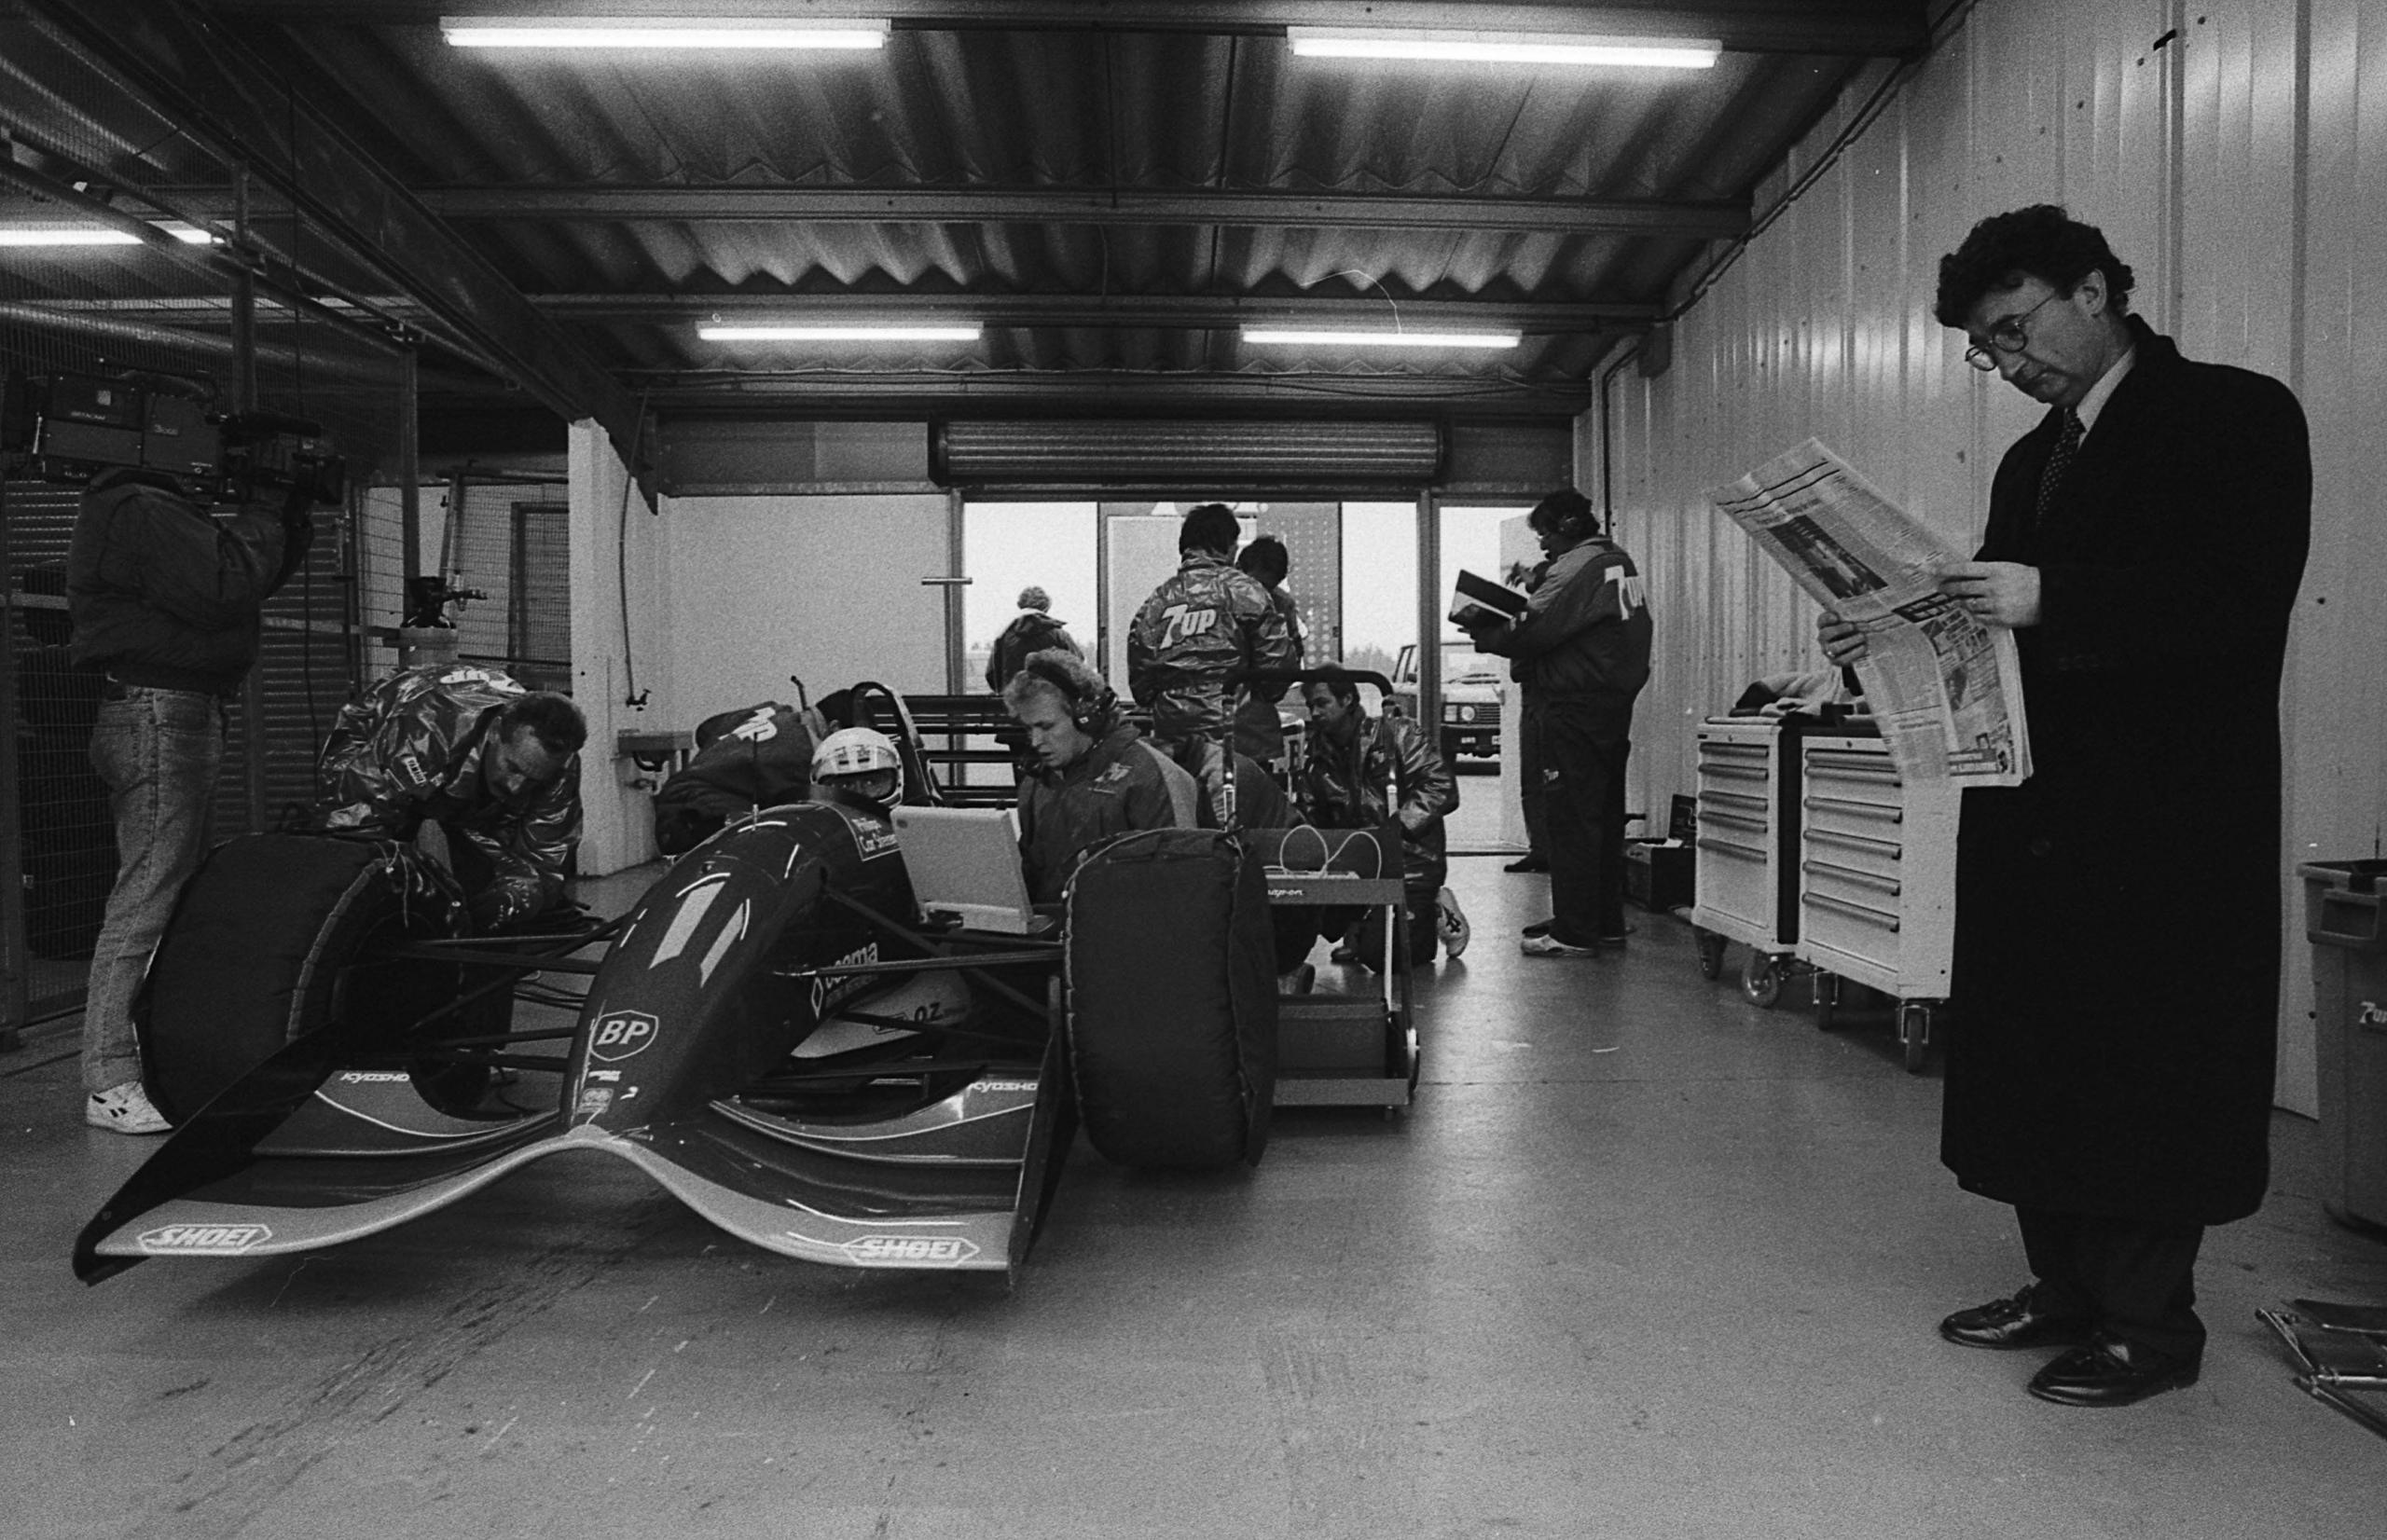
2117, 914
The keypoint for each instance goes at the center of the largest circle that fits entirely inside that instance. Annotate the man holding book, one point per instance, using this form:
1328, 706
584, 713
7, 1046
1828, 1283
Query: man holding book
1581, 643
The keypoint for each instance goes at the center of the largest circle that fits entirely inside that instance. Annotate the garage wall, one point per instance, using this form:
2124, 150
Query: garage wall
826, 587
2235, 153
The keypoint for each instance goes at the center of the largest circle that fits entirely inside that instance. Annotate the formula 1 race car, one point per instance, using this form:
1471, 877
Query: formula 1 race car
773, 1033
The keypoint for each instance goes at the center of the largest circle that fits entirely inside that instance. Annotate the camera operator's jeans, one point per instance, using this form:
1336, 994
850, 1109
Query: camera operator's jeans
159, 751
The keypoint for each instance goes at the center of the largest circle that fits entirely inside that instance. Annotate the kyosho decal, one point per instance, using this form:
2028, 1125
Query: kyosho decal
375, 1076
620, 1036
911, 1250
205, 1240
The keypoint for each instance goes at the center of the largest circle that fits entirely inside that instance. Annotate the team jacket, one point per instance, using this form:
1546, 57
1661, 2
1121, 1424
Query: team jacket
1343, 788
1208, 620
1258, 730
1585, 632
410, 751
762, 761
1122, 783
164, 596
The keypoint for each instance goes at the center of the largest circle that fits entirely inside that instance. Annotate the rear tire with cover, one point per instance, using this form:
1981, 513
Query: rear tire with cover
1172, 1000
276, 936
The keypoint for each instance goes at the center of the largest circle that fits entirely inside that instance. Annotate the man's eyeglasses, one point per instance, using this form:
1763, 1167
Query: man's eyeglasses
2007, 337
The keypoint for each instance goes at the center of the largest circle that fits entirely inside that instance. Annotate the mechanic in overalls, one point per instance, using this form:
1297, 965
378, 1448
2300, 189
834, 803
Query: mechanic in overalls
493, 765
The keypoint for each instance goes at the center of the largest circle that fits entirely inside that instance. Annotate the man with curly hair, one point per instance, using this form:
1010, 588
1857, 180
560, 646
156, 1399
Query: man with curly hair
2117, 915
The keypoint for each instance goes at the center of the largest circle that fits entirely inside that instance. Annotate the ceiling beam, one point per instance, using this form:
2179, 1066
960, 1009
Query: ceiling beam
1837, 27
837, 393
1190, 311
196, 77
1697, 221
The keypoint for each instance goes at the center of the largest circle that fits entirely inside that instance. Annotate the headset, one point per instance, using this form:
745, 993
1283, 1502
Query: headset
1091, 716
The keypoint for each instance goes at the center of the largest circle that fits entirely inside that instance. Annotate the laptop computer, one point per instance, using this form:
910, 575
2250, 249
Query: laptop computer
964, 861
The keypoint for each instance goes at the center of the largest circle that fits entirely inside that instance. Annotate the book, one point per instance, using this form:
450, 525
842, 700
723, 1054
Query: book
1479, 602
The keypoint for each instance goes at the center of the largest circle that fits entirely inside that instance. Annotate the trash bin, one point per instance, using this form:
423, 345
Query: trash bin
2345, 916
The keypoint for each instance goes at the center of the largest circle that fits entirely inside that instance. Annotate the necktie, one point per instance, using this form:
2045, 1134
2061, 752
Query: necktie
2067, 443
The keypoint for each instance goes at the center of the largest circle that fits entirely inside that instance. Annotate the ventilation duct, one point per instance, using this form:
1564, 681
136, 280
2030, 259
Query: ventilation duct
1119, 455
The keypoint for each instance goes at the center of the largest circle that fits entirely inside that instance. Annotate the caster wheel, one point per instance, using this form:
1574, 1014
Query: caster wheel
1711, 955
1761, 980
1914, 1036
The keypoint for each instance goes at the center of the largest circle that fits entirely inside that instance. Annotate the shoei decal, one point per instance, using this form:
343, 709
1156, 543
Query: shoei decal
594, 1100
622, 1036
205, 1240
911, 1250
873, 837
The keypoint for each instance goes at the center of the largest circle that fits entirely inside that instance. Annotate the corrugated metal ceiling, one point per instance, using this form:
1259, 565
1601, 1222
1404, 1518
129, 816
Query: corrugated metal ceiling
1112, 187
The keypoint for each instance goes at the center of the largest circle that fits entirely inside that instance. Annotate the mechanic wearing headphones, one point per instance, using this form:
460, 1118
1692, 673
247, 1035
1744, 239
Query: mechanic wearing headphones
1584, 647
467, 747
1094, 775
1205, 622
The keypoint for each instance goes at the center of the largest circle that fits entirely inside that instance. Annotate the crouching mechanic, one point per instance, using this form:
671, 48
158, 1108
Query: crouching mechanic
1361, 771
495, 765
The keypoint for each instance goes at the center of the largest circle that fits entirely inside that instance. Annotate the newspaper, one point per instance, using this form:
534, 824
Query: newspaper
1946, 689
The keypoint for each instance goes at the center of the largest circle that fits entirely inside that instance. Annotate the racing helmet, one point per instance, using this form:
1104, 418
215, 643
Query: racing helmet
852, 760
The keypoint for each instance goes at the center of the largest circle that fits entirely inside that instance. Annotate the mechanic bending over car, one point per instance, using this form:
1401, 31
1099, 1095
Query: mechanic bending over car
1352, 762
469, 748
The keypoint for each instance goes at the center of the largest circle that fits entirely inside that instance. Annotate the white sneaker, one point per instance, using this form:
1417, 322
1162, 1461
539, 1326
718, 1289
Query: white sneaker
125, 1110
1548, 945
1452, 923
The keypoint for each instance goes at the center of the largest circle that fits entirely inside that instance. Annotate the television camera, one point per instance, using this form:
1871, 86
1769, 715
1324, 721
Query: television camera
71, 427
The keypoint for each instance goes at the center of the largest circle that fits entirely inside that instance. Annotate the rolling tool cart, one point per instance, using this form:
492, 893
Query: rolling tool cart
1333, 1048
1744, 879
1337, 1049
1876, 884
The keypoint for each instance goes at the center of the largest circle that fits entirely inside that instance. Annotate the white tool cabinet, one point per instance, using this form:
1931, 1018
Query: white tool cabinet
1876, 882
1743, 887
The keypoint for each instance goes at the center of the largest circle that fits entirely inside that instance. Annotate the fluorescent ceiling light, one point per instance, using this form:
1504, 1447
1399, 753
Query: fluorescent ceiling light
659, 32
1383, 339
94, 235
1514, 48
959, 331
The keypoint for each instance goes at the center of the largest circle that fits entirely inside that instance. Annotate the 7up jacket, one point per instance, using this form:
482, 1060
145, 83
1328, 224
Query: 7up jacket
409, 751
1206, 621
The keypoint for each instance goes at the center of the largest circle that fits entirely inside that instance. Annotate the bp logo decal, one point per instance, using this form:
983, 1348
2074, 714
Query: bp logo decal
204, 1240
620, 1036
911, 1250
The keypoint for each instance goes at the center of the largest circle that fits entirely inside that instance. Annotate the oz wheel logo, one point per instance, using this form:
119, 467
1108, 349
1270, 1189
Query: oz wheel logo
620, 1037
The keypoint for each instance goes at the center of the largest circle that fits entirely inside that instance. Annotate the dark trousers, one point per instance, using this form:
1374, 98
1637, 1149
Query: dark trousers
1584, 746
1530, 792
2134, 1278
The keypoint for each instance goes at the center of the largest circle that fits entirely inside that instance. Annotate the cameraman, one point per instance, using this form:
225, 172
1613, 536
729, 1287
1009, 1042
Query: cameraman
166, 600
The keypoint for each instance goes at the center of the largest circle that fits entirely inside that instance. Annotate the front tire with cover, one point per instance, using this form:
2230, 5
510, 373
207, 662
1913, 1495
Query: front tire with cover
1172, 1000
276, 936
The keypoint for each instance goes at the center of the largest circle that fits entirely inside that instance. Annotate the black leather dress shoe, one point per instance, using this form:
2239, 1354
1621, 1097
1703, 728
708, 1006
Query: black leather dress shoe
2020, 1322
2110, 1372
1527, 863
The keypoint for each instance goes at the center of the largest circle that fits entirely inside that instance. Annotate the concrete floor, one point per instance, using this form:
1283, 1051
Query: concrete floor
1643, 1262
